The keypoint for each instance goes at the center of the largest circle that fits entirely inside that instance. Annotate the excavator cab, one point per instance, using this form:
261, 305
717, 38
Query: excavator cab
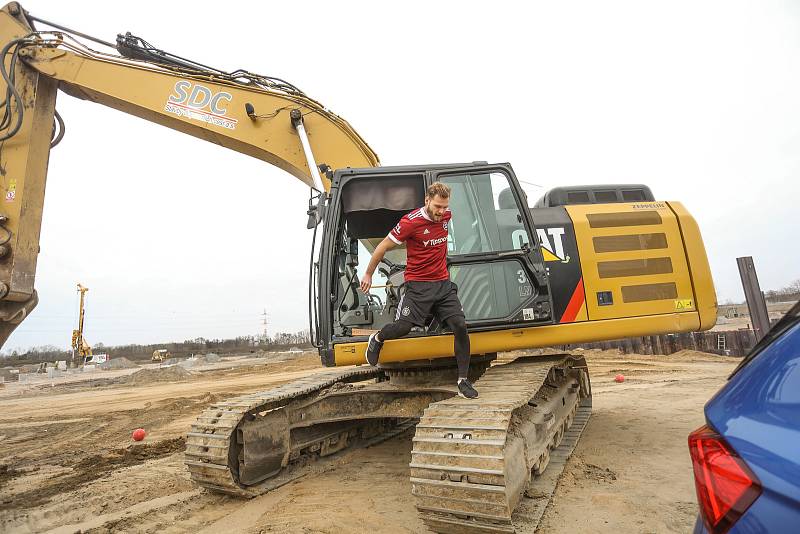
500, 272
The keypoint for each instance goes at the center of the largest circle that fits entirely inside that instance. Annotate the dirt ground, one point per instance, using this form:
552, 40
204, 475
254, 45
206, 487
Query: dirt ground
67, 463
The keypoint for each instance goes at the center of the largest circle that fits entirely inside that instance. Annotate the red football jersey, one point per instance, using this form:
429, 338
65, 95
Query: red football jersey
426, 243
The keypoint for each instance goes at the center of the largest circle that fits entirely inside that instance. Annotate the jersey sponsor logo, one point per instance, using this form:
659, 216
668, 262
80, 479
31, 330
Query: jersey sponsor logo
434, 242
198, 102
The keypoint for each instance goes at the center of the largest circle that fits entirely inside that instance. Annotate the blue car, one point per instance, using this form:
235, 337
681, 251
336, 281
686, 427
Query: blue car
746, 458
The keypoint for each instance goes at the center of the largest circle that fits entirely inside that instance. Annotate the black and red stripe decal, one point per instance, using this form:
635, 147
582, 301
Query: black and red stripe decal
575, 303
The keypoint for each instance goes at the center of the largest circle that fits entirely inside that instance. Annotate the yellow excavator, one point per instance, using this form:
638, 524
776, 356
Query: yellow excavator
584, 264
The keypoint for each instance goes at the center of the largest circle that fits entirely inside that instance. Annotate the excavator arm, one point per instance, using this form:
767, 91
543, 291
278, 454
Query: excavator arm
262, 117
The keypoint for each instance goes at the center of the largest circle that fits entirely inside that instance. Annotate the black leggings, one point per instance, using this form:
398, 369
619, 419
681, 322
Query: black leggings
455, 323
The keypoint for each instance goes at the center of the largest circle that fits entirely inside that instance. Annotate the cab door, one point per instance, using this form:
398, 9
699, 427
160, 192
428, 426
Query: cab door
498, 268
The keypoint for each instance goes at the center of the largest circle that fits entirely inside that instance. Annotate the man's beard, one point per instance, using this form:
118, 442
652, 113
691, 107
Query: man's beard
433, 217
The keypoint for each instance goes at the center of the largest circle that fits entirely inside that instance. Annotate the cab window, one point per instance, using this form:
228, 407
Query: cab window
486, 216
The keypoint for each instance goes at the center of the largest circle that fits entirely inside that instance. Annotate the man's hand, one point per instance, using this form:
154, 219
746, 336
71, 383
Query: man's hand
366, 283
377, 256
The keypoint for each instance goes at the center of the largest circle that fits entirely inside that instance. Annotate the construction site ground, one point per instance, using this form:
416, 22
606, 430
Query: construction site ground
68, 464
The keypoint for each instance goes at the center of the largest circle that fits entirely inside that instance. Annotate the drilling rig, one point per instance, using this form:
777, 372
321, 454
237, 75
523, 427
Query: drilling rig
81, 350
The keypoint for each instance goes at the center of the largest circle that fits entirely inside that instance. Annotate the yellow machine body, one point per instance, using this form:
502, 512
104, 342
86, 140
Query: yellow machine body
649, 256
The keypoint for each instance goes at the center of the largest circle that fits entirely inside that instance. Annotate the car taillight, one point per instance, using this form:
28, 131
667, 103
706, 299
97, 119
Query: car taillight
726, 487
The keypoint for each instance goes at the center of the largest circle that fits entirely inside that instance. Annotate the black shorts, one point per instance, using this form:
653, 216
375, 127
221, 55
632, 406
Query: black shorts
421, 299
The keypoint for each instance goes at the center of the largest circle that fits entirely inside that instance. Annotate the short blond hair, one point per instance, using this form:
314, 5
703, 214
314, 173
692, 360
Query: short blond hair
438, 188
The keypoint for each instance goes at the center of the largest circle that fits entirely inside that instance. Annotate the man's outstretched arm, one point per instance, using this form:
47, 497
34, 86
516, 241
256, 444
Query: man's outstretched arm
384, 246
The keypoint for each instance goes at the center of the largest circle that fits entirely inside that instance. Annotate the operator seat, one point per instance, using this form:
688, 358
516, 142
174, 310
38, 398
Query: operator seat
505, 200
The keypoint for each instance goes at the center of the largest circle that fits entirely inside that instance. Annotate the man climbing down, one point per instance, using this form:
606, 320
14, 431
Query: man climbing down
427, 281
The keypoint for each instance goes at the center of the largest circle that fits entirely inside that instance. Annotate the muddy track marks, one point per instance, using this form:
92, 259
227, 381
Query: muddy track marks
92, 468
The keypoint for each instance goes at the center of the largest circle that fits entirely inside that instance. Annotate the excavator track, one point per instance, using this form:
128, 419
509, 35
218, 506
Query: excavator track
473, 461
212, 453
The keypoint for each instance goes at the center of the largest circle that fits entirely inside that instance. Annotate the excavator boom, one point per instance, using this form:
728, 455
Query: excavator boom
259, 116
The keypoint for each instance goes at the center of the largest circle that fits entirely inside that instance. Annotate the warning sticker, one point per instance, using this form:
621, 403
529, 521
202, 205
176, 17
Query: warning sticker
527, 314
684, 304
11, 192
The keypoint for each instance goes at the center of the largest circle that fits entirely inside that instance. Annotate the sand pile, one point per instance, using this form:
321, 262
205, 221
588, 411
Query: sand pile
117, 363
175, 373
199, 360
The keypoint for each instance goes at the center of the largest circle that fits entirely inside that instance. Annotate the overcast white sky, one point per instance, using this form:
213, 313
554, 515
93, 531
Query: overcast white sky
177, 238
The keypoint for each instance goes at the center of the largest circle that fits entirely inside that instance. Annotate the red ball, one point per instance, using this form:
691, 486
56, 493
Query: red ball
138, 434
619, 378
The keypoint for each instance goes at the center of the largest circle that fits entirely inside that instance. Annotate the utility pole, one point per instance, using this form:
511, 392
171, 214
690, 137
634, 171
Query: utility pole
264, 322
756, 304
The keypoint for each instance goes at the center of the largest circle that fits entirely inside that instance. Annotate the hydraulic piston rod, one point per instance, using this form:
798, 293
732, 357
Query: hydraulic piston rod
297, 122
